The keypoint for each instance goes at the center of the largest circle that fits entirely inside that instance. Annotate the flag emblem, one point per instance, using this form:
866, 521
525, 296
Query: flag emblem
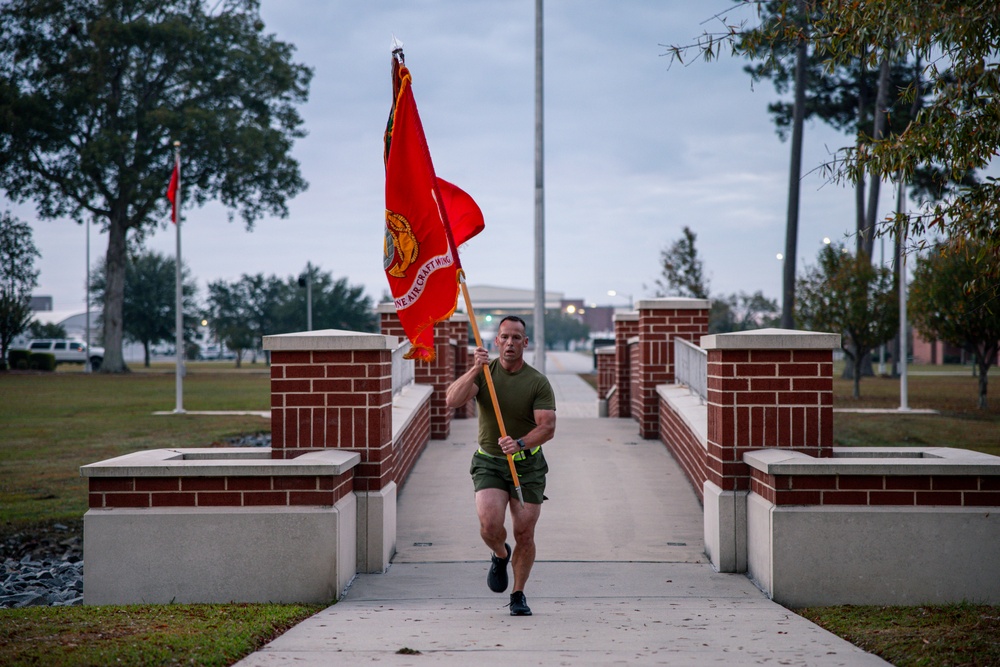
401, 247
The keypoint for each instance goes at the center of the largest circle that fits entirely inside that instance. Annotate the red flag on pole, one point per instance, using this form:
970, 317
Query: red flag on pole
426, 219
175, 179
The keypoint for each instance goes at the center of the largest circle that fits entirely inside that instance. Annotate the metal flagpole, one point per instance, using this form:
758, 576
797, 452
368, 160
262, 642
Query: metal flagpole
87, 366
179, 315
903, 352
539, 333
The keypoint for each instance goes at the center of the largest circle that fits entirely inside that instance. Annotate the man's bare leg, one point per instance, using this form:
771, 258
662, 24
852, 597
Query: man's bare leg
524, 520
491, 506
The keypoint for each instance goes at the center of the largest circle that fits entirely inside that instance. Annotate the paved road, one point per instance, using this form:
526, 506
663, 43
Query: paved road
621, 576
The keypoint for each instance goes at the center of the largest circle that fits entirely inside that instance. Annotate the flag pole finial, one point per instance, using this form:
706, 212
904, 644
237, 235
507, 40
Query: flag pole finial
397, 50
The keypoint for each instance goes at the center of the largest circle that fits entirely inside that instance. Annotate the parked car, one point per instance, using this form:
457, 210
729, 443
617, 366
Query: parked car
68, 351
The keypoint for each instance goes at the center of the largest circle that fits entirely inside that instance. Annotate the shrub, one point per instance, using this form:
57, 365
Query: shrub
42, 361
18, 359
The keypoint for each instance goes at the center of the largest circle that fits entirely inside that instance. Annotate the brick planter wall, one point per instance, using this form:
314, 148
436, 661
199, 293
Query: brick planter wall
209, 524
925, 519
910, 489
253, 491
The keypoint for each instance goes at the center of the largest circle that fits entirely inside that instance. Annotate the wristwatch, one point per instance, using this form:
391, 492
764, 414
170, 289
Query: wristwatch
520, 443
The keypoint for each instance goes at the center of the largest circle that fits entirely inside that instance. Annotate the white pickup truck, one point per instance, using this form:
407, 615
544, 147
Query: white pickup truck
68, 351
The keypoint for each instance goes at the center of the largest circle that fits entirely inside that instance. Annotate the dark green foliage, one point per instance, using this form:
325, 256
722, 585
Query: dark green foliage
949, 302
18, 276
682, 269
41, 361
846, 295
241, 313
93, 96
742, 312
48, 330
18, 359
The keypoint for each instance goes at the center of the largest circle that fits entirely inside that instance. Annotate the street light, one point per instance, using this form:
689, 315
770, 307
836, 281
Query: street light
612, 292
305, 280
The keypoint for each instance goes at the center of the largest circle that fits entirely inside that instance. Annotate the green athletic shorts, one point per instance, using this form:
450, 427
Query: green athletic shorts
490, 472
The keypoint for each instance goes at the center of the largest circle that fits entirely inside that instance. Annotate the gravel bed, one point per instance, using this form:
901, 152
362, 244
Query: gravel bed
43, 567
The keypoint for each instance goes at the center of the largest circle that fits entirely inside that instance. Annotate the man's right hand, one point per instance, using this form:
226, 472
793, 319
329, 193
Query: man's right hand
481, 357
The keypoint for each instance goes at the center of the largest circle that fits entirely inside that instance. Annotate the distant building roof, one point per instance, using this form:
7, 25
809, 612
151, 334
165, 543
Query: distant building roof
491, 297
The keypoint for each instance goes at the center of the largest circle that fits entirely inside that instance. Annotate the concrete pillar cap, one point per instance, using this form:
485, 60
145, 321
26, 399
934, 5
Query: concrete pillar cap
771, 339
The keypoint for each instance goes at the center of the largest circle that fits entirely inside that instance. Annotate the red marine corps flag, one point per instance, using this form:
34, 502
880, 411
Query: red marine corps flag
426, 219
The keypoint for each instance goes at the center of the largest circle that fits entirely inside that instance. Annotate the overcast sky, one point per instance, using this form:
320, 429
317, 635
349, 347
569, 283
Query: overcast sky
635, 149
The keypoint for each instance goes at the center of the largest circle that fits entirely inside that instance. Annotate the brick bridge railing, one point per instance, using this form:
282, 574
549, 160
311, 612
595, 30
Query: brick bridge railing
811, 523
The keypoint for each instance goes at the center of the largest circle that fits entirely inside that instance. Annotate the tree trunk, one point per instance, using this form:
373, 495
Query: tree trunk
794, 178
145, 353
114, 293
857, 361
986, 358
878, 133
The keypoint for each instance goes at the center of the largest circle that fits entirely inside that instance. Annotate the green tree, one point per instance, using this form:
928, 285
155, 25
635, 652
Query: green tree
743, 312
681, 269
561, 329
239, 311
949, 302
149, 304
845, 294
93, 96
18, 276
48, 330
955, 132
335, 305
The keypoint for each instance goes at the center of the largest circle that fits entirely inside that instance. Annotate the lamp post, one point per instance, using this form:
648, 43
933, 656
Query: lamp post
305, 280
612, 292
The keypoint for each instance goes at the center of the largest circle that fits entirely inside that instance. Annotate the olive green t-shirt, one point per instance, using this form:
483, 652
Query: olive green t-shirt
519, 395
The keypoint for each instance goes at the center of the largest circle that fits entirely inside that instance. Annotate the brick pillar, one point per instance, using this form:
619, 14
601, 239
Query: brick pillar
660, 321
768, 388
605, 359
438, 373
626, 328
459, 324
333, 389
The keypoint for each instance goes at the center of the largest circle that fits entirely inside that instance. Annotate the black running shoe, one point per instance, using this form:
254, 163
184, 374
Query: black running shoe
497, 577
519, 604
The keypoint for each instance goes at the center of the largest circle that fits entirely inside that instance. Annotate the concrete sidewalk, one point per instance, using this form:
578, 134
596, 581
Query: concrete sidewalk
620, 578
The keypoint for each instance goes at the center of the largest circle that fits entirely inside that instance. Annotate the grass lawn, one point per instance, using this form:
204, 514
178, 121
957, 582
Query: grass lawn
950, 390
53, 423
204, 634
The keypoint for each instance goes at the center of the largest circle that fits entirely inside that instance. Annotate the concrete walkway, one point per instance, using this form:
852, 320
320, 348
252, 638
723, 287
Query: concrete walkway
621, 576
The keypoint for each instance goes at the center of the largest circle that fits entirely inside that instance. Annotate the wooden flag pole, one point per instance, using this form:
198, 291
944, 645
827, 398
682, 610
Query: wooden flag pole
489, 383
